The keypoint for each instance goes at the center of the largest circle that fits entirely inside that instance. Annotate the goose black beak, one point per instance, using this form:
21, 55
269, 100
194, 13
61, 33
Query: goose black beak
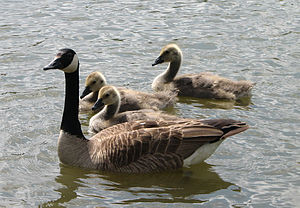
55, 64
85, 92
98, 104
159, 60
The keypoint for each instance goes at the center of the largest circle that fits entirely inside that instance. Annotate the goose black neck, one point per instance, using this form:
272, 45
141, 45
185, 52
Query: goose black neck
70, 122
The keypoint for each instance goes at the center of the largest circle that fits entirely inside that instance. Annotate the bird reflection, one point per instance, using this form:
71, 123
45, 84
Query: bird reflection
70, 178
217, 103
181, 186
173, 186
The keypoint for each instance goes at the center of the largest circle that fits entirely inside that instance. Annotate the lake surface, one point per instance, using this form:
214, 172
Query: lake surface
253, 40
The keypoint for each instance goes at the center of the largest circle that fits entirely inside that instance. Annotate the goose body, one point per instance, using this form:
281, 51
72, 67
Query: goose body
202, 85
130, 99
132, 147
110, 98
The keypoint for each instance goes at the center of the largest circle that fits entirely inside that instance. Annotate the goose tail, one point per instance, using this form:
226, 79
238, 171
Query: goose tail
229, 127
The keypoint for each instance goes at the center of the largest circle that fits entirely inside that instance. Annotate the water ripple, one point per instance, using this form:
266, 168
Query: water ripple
257, 41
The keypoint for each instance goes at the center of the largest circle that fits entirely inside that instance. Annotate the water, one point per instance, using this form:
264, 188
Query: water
257, 41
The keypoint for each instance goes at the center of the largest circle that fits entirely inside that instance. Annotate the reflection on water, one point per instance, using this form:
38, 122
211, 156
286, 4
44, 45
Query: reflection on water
177, 186
70, 179
180, 186
217, 103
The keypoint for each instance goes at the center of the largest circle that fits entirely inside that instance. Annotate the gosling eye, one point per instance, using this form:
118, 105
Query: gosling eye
106, 95
167, 52
101, 81
94, 82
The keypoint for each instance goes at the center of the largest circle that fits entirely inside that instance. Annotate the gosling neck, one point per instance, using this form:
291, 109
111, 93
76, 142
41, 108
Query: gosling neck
93, 97
109, 111
172, 70
70, 122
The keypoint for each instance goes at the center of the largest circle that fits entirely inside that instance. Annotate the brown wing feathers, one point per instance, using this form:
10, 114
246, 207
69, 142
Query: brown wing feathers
141, 151
228, 126
151, 146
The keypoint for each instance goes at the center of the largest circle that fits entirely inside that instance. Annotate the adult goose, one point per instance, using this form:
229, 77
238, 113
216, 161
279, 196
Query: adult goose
138, 146
110, 98
202, 85
130, 99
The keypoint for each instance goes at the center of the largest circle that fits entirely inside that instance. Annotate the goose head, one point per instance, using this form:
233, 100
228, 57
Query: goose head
108, 95
169, 53
66, 60
93, 83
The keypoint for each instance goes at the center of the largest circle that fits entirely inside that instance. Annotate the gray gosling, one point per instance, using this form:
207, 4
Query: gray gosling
130, 99
110, 98
202, 85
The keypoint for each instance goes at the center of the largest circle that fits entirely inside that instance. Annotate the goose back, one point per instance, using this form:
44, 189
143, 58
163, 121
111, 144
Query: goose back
154, 146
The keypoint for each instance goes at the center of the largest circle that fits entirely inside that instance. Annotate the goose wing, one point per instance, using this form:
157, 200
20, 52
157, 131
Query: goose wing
151, 146
126, 127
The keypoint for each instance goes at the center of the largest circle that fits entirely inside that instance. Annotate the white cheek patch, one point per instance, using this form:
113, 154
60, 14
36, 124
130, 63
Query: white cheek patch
73, 66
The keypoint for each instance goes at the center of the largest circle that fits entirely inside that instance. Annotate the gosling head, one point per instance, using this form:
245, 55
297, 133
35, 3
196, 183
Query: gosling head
108, 95
66, 60
169, 53
93, 83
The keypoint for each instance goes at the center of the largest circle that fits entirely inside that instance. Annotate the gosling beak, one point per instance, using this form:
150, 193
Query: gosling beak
55, 64
98, 104
159, 60
85, 92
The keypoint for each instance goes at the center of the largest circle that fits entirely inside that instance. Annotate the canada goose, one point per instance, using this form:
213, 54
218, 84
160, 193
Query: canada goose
133, 147
202, 85
110, 97
130, 99
89, 96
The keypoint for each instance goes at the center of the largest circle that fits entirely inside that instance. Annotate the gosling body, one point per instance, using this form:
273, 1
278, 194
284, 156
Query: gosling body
130, 99
110, 98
